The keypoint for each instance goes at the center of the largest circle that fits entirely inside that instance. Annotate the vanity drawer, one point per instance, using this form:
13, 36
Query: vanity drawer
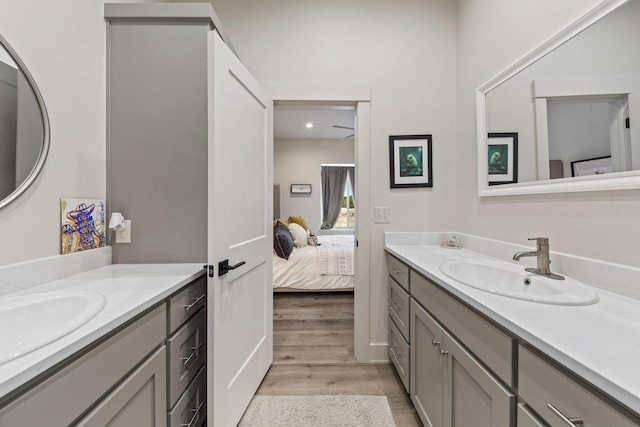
399, 354
485, 340
542, 384
398, 270
191, 408
186, 349
186, 303
399, 307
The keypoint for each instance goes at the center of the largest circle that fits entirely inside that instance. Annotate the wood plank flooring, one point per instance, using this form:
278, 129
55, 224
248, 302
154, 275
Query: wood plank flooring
313, 354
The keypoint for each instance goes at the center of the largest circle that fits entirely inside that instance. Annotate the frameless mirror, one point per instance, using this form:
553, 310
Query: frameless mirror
565, 118
24, 127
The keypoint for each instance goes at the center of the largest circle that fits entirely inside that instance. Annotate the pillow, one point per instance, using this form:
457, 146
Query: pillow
282, 241
312, 239
280, 220
300, 221
299, 235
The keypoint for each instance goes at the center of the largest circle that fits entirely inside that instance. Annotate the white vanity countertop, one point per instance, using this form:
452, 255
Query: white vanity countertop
129, 289
600, 342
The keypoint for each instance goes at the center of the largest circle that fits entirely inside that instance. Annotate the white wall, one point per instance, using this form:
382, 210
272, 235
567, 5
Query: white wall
63, 45
298, 162
492, 35
405, 51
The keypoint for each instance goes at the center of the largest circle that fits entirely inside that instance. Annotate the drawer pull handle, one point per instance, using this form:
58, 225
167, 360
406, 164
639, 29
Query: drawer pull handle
394, 271
195, 416
573, 422
435, 343
395, 307
193, 304
187, 360
444, 353
395, 353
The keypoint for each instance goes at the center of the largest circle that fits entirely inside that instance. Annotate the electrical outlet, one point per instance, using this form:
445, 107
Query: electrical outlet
124, 236
382, 215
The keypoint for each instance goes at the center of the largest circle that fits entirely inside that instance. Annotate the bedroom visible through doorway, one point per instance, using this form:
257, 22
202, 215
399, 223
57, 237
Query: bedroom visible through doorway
306, 138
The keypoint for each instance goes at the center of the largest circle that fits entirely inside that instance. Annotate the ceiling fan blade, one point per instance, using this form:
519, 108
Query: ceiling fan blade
342, 127
346, 137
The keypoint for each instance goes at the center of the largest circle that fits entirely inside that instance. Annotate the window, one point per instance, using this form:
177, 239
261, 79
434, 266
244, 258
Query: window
347, 218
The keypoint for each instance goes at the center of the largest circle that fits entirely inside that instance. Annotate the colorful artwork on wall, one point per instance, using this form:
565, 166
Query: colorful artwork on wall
82, 225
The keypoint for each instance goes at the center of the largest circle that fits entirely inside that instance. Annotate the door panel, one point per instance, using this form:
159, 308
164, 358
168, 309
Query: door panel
472, 396
426, 366
240, 302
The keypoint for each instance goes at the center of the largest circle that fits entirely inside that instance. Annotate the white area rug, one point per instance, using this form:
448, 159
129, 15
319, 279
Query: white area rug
318, 411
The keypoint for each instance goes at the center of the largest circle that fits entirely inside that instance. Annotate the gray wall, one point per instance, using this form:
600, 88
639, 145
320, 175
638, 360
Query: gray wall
157, 169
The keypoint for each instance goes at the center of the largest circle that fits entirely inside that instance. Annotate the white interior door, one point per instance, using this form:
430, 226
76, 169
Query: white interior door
240, 302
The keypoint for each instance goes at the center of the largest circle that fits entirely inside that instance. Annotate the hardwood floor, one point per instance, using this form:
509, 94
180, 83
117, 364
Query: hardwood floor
313, 354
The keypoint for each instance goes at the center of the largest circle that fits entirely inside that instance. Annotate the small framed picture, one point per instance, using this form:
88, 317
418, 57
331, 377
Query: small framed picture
410, 161
595, 166
502, 158
300, 188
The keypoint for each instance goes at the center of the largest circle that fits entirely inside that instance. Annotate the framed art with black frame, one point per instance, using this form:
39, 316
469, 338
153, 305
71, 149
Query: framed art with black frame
502, 158
410, 161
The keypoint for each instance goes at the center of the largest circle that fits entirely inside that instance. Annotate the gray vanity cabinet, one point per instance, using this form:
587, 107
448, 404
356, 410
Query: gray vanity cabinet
457, 362
398, 298
449, 387
124, 372
465, 369
150, 372
136, 401
559, 399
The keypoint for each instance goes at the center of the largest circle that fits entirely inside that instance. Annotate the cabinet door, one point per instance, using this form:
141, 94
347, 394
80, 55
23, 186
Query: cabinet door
472, 396
426, 366
139, 400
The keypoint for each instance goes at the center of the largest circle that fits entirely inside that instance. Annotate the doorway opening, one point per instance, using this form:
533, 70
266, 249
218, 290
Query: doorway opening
356, 99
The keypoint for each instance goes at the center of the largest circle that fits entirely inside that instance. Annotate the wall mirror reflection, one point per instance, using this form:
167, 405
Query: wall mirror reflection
24, 136
571, 101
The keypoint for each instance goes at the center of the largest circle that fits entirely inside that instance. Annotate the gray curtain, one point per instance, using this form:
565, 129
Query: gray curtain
333, 180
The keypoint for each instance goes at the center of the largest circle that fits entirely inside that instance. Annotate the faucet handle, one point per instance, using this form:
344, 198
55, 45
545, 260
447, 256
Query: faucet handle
540, 240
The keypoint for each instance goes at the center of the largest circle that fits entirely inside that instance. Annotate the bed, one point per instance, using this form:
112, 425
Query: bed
327, 267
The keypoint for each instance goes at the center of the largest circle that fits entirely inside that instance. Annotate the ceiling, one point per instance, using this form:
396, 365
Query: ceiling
289, 122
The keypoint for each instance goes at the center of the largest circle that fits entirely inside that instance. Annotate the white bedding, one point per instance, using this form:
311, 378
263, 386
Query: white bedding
302, 270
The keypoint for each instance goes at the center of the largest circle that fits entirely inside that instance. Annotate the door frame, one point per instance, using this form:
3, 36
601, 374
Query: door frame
360, 97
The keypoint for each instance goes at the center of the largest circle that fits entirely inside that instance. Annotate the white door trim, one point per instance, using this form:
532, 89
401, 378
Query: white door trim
360, 97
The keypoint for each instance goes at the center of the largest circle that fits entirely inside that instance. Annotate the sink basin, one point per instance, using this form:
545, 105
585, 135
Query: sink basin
512, 281
28, 322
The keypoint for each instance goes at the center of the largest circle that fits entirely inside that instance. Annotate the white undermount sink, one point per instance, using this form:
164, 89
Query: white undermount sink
28, 322
513, 281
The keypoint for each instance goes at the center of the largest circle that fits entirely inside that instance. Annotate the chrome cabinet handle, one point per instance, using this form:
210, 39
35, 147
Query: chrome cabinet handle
193, 304
395, 353
195, 416
394, 271
395, 307
187, 360
443, 352
435, 343
573, 422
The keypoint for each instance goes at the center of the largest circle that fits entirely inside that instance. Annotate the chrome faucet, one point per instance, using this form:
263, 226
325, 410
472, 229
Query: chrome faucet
542, 254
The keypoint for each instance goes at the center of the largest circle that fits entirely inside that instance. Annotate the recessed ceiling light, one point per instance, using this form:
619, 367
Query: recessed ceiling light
309, 125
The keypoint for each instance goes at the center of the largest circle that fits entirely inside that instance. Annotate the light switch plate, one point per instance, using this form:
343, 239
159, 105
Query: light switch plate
382, 215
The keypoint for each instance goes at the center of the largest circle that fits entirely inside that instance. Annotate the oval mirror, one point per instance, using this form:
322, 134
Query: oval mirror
564, 117
24, 127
